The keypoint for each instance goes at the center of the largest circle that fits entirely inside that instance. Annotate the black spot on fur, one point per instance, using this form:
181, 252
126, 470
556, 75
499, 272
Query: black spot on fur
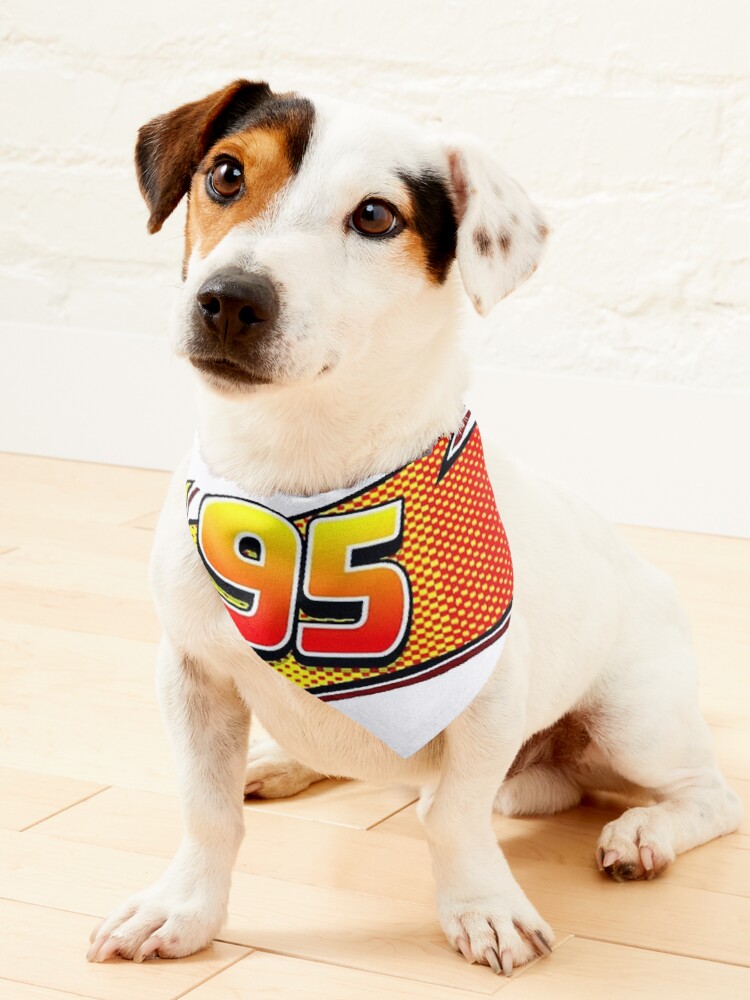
482, 242
292, 114
504, 241
434, 219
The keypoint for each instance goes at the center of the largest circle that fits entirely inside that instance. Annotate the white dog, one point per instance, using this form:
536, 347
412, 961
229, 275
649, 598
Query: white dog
320, 308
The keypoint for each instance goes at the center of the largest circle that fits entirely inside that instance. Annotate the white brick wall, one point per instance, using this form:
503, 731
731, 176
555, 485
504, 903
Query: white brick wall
628, 121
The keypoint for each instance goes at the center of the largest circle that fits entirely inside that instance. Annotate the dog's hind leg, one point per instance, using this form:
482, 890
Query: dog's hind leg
272, 774
541, 780
652, 733
540, 790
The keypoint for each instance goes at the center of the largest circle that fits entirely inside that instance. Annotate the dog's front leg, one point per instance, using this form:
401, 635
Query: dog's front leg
183, 910
484, 912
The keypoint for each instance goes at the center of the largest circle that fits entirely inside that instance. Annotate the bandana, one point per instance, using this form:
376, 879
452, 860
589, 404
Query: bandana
389, 600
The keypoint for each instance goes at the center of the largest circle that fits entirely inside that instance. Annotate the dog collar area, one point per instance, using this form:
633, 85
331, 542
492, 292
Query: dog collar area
390, 600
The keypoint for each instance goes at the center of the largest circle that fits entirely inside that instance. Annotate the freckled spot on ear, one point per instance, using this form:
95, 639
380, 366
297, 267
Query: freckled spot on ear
482, 242
477, 302
514, 218
542, 231
504, 241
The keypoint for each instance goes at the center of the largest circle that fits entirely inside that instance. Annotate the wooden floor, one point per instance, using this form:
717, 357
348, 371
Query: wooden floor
332, 895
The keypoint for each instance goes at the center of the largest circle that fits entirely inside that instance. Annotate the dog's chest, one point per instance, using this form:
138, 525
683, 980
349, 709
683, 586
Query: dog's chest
196, 621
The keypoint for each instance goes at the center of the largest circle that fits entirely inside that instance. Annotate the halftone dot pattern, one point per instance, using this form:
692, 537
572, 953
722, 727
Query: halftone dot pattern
454, 551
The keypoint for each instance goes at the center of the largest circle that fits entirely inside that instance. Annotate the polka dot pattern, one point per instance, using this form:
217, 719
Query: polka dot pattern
454, 551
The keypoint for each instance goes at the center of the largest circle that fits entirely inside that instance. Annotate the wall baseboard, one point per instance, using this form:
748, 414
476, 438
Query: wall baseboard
658, 455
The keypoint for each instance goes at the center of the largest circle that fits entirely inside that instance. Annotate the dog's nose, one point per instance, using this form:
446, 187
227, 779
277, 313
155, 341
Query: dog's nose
233, 304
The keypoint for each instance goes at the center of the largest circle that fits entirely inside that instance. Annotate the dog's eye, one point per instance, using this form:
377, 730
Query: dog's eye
374, 217
224, 181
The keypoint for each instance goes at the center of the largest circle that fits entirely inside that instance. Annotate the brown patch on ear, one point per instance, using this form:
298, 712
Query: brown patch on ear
542, 231
482, 242
504, 241
263, 152
458, 183
170, 147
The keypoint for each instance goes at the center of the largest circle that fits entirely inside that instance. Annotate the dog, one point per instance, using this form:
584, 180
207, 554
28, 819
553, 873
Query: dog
327, 251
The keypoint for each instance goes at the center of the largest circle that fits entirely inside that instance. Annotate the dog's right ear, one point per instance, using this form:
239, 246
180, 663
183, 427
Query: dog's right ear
501, 234
170, 147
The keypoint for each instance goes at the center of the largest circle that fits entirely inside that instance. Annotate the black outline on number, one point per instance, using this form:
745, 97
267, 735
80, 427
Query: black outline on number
247, 596
320, 612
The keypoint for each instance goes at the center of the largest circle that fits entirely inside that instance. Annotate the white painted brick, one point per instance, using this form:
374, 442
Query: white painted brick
668, 38
629, 123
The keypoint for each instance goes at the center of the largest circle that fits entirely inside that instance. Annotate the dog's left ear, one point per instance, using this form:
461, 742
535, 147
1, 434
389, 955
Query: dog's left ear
501, 234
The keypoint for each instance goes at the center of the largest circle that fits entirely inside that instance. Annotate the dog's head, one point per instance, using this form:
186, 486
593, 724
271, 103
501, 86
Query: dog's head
311, 225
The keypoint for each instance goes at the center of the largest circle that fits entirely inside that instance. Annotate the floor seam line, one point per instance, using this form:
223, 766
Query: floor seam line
220, 972
664, 951
71, 805
331, 963
394, 813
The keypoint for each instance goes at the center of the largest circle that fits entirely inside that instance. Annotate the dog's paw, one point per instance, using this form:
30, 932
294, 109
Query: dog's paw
153, 925
492, 931
636, 845
272, 774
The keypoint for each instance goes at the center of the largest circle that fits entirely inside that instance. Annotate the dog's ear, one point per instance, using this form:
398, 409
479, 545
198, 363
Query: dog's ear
500, 232
170, 147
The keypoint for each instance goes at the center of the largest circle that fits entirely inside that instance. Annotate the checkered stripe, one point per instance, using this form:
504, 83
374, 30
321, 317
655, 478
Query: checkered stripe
457, 557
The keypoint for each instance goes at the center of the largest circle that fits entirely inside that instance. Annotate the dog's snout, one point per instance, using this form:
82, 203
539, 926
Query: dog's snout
233, 304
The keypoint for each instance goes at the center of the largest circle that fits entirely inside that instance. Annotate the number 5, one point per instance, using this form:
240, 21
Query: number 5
346, 578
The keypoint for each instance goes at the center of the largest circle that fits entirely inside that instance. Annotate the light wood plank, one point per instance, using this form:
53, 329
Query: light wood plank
27, 798
146, 522
79, 611
276, 846
583, 968
390, 860
716, 599
339, 926
326, 924
569, 839
69, 732
26, 991
276, 977
45, 948
47, 725
566, 887
20, 527
74, 616
358, 804
85, 491
60, 567
705, 565
732, 751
